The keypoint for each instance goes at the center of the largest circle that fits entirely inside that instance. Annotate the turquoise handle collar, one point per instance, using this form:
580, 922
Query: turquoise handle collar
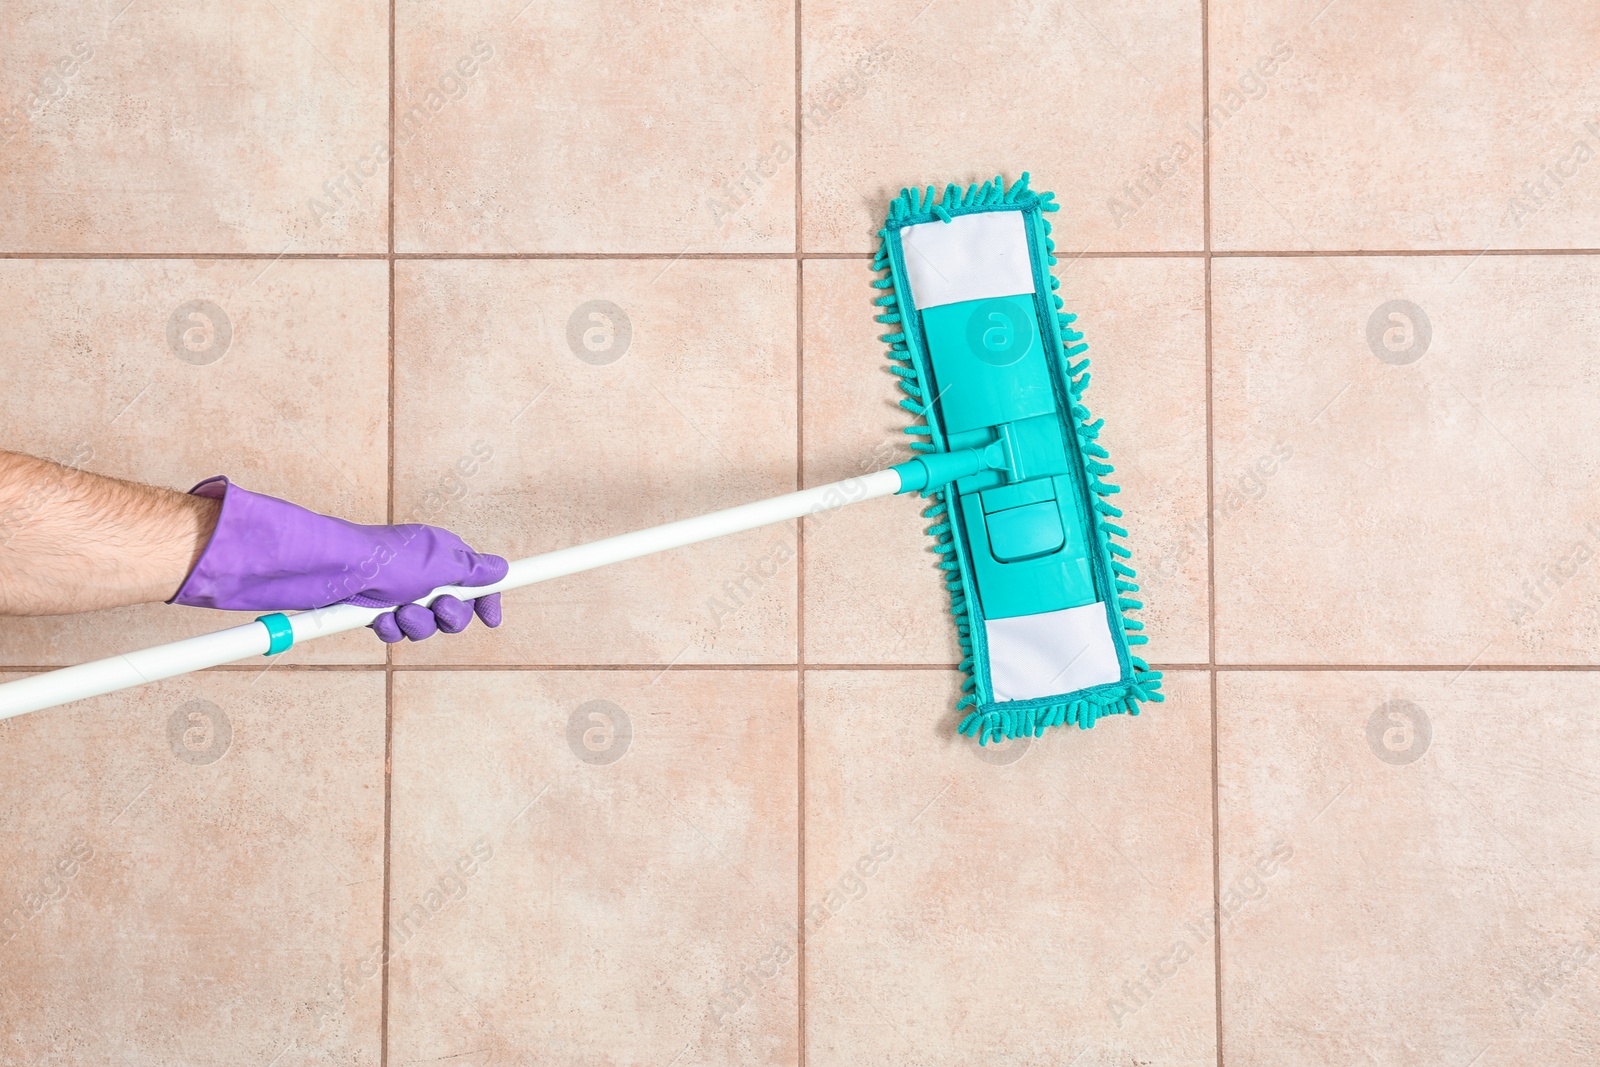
279, 630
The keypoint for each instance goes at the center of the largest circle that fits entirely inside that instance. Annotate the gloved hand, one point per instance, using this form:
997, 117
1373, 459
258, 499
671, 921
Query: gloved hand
270, 555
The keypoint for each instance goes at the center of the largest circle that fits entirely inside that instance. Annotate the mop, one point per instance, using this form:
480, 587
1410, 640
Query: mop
1011, 463
1039, 586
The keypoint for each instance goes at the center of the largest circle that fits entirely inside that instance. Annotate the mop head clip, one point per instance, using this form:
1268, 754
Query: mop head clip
1039, 584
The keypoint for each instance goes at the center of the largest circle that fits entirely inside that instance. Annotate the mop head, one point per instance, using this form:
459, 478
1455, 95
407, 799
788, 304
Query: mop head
1039, 585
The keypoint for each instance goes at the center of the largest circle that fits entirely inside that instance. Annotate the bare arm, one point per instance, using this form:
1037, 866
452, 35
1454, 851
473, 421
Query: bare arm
73, 541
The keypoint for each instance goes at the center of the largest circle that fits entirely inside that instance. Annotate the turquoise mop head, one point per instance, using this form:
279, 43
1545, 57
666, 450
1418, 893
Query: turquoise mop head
1039, 585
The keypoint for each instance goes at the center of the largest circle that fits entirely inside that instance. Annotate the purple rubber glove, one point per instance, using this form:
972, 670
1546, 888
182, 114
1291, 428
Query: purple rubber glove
270, 555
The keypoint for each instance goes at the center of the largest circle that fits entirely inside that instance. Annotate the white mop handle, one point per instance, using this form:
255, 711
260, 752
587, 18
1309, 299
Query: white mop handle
253, 638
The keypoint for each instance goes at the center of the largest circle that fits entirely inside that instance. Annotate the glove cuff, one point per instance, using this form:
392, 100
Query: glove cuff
195, 590
263, 554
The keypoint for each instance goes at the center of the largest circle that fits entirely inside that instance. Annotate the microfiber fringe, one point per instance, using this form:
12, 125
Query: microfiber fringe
1008, 719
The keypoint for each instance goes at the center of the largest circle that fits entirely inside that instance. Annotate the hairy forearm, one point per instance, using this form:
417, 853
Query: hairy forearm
73, 541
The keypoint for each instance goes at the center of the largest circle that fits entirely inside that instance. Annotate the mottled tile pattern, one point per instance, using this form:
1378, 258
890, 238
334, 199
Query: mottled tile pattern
708, 808
598, 866
999, 905
1144, 321
587, 127
1408, 867
154, 127
1100, 101
194, 873
1404, 463
1414, 125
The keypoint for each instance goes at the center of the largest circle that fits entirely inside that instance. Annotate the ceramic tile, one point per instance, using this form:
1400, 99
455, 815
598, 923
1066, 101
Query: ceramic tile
594, 867
171, 371
1363, 125
1005, 905
194, 873
1144, 321
873, 594
1394, 886
906, 92
636, 127
592, 398
254, 127
1404, 471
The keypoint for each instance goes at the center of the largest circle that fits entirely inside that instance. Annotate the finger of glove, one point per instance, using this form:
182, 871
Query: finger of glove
484, 569
488, 609
416, 621
387, 629
452, 614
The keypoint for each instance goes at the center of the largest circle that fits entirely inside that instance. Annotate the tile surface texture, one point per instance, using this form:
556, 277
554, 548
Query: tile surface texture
194, 873
909, 92
1424, 867
634, 127
628, 882
254, 127
1405, 463
945, 926
1411, 125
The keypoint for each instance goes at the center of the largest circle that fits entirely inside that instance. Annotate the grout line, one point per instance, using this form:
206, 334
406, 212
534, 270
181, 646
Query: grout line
799, 553
1346, 253
799, 156
388, 650
1358, 253
1211, 553
1475, 668
1220, 668
1216, 867
388, 808
672, 256
274, 256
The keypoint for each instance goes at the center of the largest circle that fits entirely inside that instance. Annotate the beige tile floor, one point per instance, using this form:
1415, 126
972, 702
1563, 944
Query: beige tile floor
543, 273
